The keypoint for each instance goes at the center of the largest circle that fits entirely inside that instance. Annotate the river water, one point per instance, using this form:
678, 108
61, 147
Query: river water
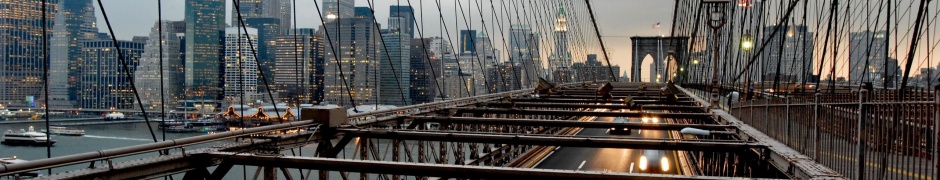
110, 136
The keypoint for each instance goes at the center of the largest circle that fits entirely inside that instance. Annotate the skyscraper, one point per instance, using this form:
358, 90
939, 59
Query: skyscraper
560, 60
792, 50
241, 69
395, 67
592, 70
104, 83
21, 51
562, 56
357, 36
205, 21
867, 55
468, 38
148, 74
422, 83
268, 29
299, 67
74, 22
406, 24
277, 9
335, 9
523, 48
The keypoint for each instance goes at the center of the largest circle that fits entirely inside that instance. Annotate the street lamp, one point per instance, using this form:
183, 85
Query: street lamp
747, 41
716, 19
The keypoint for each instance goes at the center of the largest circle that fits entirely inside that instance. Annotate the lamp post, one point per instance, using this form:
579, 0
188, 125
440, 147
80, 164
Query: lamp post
716, 19
747, 43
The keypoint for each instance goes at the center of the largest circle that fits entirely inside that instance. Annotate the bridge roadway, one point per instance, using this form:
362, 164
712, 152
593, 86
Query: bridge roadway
606, 159
360, 126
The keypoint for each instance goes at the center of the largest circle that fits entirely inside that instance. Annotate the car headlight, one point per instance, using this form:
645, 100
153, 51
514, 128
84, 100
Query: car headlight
655, 120
664, 164
643, 163
645, 119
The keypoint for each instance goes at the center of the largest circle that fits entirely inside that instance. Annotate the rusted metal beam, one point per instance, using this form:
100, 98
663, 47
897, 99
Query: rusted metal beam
594, 106
565, 123
655, 96
568, 100
434, 170
583, 113
565, 141
140, 149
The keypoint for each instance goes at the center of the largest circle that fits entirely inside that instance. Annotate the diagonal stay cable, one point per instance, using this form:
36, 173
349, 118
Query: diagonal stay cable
600, 41
424, 46
388, 56
339, 63
447, 31
254, 53
127, 71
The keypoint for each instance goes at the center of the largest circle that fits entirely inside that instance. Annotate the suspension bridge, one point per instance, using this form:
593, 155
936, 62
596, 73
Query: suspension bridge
788, 89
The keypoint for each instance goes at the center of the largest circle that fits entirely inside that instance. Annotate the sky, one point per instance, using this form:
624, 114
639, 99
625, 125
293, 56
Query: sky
617, 19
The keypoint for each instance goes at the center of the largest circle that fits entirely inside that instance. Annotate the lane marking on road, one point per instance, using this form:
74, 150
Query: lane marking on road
608, 131
631, 167
639, 131
582, 165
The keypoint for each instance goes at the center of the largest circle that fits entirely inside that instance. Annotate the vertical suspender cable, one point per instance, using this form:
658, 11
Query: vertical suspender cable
254, 55
160, 45
45, 79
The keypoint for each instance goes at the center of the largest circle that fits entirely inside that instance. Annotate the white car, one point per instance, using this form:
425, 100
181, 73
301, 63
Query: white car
654, 161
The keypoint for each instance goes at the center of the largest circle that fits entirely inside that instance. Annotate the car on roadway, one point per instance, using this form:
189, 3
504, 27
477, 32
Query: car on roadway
620, 130
650, 120
654, 161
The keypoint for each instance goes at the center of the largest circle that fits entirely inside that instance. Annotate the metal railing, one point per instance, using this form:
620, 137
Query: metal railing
861, 134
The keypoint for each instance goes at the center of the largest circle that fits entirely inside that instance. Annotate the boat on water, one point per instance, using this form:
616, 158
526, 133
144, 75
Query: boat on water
194, 129
23, 137
14, 160
65, 131
114, 116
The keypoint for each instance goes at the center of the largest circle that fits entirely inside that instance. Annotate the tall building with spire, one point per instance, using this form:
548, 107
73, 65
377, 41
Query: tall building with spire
562, 56
560, 60
74, 22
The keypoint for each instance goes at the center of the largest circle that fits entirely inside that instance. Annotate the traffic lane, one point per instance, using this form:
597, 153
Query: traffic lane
604, 159
569, 158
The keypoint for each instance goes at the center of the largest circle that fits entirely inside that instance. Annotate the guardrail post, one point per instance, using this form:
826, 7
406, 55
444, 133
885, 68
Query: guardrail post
936, 133
787, 135
816, 127
860, 138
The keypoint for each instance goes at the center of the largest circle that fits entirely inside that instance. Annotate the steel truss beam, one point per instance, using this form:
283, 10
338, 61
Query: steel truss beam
596, 106
616, 100
583, 113
565, 141
654, 96
433, 170
564, 123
